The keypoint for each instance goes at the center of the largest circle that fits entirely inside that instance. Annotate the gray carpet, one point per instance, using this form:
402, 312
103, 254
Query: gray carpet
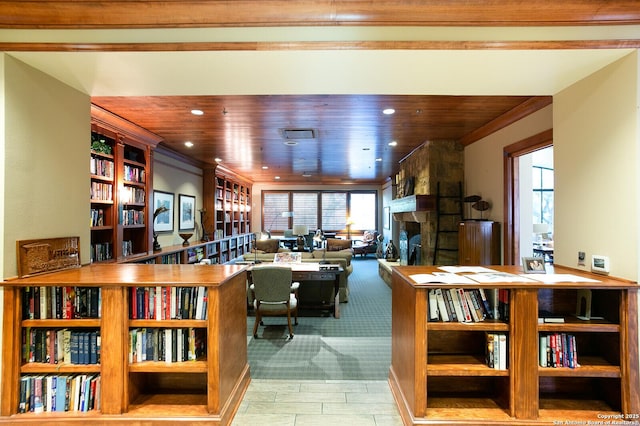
357, 346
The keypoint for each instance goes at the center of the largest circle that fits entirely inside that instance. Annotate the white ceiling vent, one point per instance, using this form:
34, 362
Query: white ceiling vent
298, 134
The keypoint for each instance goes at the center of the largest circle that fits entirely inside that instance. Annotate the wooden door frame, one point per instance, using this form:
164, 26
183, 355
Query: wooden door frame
511, 162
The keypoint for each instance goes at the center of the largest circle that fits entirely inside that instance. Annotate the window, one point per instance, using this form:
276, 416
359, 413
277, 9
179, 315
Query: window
305, 206
274, 204
542, 184
319, 209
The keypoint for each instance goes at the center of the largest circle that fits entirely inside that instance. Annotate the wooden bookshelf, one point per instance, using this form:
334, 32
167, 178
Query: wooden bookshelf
207, 390
125, 227
438, 369
227, 201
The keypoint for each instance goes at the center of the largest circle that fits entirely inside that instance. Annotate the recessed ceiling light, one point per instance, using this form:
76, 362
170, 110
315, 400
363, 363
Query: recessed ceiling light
290, 143
188, 144
388, 111
197, 112
306, 175
378, 159
265, 167
393, 143
218, 160
276, 177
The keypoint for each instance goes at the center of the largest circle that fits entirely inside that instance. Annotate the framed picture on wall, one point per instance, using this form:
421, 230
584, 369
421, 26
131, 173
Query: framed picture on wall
163, 221
186, 212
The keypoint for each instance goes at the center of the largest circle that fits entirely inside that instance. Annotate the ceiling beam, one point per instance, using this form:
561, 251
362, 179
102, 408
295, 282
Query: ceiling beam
50, 14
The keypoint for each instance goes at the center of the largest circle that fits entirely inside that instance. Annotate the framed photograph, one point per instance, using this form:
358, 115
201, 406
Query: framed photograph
186, 212
163, 221
533, 265
386, 218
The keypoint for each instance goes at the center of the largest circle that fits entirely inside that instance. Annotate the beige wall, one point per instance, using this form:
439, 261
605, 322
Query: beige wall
596, 155
173, 176
483, 160
46, 153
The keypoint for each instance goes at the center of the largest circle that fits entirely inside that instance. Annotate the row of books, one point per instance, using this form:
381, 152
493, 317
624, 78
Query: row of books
101, 252
457, 304
64, 302
101, 191
170, 259
57, 346
166, 344
497, 353
558, 350
134, 174
101, 167
127, 248
58, 393
97, 217
133, 195
164, 303
132, 217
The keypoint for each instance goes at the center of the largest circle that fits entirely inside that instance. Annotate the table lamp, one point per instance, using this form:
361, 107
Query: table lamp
542, 231
300, 231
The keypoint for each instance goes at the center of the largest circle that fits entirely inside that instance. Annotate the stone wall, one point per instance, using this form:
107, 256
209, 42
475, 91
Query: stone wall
435, 163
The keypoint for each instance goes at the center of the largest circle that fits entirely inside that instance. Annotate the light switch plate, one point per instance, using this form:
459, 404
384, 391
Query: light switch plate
600, 264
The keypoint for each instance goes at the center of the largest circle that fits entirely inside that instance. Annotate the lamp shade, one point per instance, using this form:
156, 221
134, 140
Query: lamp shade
300, 229
540, 228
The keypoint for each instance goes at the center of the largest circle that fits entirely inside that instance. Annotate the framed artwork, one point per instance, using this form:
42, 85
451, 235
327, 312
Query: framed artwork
186, 212
386, 218
533, 265
163, 222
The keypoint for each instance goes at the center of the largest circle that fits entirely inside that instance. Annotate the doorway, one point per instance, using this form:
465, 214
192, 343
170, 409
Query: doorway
518, 235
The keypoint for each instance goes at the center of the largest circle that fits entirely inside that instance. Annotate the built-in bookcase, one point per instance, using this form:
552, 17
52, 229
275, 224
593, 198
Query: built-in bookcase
440, 371
189, 322
121, 186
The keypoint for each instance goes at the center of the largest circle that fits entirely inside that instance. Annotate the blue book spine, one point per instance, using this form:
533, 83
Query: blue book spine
75, 344
61, 392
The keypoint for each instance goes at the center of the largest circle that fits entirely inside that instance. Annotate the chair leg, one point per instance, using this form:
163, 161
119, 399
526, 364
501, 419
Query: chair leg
289, 324
255, 324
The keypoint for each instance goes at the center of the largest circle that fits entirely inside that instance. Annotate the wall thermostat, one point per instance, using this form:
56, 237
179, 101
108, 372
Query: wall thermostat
600, 264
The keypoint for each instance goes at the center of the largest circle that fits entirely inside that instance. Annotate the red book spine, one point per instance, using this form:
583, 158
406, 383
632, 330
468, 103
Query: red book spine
133, 303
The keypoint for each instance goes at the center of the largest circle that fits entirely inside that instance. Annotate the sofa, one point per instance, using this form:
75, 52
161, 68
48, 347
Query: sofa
312, 294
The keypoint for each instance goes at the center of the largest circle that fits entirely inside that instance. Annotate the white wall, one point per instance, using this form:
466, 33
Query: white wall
176, 177
596, 168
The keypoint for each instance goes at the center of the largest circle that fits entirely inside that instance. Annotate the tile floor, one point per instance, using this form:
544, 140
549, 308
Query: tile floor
317, 403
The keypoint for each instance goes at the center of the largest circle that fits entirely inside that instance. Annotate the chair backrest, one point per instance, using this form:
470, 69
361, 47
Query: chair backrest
271, 283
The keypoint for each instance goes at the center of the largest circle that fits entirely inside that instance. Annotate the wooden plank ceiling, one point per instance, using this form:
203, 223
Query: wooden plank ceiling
351, 135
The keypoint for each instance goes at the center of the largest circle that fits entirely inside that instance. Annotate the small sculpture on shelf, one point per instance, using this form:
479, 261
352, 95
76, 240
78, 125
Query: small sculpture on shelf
159, 210
481, 206
185, 236
391, 254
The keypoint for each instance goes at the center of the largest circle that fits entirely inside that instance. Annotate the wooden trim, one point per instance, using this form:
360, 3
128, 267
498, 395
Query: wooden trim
120, 126
254, 13
320, 45
511, 183
518, 113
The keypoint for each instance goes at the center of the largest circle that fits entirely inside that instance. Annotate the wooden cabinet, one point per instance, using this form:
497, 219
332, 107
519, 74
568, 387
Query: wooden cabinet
208, 389
228, 196
438, 371
479, 243
121, 187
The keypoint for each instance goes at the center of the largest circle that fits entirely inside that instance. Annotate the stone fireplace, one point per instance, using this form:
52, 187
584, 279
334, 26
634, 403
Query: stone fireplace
435, 172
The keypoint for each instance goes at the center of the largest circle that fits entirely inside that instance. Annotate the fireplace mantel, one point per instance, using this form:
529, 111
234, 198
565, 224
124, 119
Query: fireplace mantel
413, 208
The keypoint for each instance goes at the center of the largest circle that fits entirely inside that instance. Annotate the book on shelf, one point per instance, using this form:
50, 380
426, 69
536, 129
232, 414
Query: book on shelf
46, 302
59, 393
496, 354
457, 304
545, 316
166, 344
558, 350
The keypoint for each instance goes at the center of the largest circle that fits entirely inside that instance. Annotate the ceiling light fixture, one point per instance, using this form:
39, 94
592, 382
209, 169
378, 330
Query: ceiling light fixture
188, 144
388, 111
218, 160
276, 177
393, 143
197, 112
265, 167
378, 159
306, 174
291, 143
